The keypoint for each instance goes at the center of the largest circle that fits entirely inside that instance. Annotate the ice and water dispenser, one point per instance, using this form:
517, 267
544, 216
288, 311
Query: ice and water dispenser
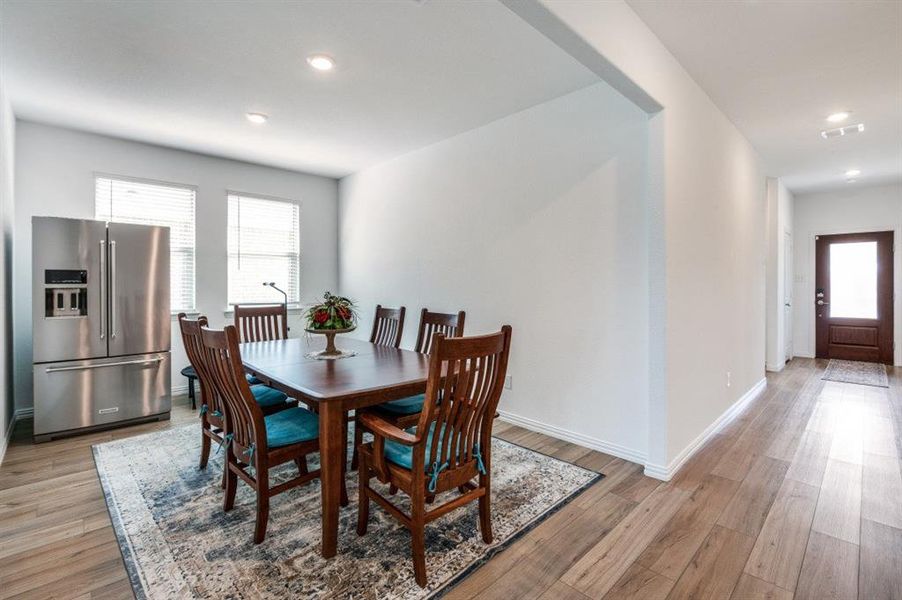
65, 293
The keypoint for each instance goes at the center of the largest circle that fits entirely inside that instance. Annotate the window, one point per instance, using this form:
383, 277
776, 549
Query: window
853, 280
125, 200
263, 247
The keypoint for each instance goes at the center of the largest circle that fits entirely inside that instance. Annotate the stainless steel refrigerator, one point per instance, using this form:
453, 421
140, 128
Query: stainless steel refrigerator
100, 298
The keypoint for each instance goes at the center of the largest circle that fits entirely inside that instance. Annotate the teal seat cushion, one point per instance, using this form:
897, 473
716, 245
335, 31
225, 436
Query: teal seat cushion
405, 406
266, 396
291, 426
402, 455
252, 380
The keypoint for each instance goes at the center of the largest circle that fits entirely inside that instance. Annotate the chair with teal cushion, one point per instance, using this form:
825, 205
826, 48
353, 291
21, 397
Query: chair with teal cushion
212, 412
450, 446
255, 442
403, 413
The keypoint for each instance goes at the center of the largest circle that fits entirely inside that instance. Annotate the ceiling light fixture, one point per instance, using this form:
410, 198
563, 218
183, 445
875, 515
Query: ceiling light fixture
258, 118
853, 172
838, 117
842, 131
321, 62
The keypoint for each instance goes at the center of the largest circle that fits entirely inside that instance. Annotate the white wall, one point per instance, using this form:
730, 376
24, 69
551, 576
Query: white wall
707, 227
851, 209
537, 220
7, 171
779, 317
55, 177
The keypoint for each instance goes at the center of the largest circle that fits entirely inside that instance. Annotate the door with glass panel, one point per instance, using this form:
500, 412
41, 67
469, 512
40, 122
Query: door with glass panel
853, 296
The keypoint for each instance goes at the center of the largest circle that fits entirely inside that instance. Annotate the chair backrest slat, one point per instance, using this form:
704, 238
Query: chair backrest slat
244, 418
466, 377
194, 349
261, 323
450, 325
388, 325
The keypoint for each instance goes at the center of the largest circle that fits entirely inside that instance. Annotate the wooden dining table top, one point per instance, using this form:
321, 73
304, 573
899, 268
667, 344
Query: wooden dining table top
374, 372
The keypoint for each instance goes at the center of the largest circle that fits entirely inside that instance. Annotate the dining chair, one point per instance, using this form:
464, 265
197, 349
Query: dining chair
211, 408
403, 412
448, 448
388, 325
254, 440
256, 323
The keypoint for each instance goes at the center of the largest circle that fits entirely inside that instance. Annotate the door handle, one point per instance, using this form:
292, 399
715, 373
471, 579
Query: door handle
113, 289
822, 303
142, 361
102, 285
787, 304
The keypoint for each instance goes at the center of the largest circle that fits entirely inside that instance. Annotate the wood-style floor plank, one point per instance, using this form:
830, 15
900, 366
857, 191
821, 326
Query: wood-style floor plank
881, 562
830, 570
604, 564
752, 588
679, 539
780, 548
751, 504
716, 567
839, 505
881, 490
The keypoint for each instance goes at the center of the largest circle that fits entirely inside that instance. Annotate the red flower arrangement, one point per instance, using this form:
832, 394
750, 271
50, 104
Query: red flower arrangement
335, 312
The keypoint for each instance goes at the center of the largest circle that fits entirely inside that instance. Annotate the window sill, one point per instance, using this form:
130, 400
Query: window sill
293, 309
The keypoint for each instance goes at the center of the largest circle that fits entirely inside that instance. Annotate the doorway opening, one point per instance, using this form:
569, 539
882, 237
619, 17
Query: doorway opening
854, 296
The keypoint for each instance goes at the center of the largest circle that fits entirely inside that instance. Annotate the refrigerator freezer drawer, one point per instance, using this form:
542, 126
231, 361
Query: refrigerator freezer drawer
89, 393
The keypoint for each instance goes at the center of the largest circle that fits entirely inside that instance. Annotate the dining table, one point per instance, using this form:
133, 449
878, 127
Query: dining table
332, 388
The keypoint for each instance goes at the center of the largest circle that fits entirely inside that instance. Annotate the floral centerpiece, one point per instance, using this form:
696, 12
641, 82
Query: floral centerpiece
335, 314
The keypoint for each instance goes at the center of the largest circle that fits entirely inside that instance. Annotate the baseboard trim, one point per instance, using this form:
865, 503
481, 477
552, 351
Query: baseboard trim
18, 415
7, 435
573, 437
666, 473
775, 368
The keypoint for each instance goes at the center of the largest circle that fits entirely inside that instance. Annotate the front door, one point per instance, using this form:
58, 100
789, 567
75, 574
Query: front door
854, 296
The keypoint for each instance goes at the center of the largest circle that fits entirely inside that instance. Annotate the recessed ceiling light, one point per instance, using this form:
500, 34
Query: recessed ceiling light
321, 62
838, 117
853, 172
258, 118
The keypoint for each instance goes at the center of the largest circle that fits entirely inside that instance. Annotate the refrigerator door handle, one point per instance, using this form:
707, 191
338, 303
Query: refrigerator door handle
143, 361
113, 289
102, 279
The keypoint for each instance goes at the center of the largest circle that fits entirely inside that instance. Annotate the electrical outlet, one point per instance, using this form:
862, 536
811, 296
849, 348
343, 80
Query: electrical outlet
508, 382
729, 379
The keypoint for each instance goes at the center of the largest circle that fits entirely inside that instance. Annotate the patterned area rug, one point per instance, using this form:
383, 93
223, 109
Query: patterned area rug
853, 371
178, 543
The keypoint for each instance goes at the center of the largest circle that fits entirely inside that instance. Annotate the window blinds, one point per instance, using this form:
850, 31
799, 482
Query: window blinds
263, 246
123, 200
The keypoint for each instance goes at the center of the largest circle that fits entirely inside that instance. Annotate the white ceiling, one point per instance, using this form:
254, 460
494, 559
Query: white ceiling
184, 74
778, 68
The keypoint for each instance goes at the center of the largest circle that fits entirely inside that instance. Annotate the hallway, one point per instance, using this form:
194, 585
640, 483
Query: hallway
798, 497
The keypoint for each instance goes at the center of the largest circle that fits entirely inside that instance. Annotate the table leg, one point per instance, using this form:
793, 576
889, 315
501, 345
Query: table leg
331, 448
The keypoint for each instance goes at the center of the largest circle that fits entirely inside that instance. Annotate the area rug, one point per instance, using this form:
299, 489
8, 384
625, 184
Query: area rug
178, 543
853, 371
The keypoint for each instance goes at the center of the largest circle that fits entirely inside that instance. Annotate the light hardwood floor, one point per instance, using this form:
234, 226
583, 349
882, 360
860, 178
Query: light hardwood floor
797, 497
